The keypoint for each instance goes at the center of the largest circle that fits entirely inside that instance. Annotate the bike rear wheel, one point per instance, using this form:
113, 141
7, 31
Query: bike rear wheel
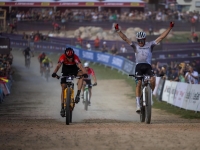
70, 116
68, 101
47, 75
148, 105
86, 99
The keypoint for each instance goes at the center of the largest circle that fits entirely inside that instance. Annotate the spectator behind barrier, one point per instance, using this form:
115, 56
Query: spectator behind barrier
192, 76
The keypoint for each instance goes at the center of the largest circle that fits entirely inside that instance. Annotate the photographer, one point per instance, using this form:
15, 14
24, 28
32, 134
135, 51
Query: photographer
191, 76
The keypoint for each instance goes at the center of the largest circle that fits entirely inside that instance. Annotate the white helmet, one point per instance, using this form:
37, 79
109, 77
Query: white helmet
86, 64
141, 35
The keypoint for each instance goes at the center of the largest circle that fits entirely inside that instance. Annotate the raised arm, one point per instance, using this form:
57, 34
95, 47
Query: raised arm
165, 33
121, 34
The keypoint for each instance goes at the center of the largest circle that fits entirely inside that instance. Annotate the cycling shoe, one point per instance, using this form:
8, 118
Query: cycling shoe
62, 113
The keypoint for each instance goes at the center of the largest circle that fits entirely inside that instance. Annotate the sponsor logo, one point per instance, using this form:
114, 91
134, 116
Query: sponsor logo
3, 46
117, 62
103, 58
88, 55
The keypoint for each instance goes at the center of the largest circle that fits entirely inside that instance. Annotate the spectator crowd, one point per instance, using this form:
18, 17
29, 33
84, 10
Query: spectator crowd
180, 72
104, 15
6, 72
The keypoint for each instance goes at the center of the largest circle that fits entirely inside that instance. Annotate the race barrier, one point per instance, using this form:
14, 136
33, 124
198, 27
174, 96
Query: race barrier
179, 94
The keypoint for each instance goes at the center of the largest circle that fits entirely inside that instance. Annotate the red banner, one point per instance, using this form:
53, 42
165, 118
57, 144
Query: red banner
72, 4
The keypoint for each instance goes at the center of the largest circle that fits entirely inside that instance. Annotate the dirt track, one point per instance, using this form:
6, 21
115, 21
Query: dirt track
29, 119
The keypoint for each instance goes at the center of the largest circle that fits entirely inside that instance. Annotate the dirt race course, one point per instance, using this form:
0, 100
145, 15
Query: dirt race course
30, 119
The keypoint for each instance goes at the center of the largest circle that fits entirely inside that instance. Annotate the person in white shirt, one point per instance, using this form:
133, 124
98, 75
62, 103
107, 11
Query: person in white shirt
123, 49
192, 76
88, 46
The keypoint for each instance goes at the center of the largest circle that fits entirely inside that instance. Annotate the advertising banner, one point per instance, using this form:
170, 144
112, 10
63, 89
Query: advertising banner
160, 89
194, 98
172, 92
88, 55
103, 58
188, 95
117, 62
18, 43
74, 4
128, 66
166, 91
180, 94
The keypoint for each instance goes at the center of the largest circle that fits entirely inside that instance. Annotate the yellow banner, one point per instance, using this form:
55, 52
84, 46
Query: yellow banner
45, 4
2, 3
89, 3
135, 4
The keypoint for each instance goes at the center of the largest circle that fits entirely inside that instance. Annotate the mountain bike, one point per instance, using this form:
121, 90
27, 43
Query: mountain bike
27, 61
145, 99
86, 96
69, 102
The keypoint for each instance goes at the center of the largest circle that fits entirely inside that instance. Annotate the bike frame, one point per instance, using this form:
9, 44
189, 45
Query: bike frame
27, 61
145, 99
69, 97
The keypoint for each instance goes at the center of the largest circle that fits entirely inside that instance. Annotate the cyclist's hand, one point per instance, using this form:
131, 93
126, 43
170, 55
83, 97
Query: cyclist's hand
95, 84
117, 27
85, 75
54, 75
171, 24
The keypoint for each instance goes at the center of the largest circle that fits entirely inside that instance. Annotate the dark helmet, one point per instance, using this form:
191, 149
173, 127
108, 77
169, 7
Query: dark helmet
69, 52
43, 53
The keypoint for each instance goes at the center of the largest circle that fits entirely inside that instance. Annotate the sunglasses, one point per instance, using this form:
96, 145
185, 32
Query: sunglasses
141, 40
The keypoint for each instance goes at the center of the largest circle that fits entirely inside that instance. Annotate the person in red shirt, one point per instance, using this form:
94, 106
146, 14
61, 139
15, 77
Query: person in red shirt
87, 81
71, 65
79, 41
56, 27
40, 59
96, 43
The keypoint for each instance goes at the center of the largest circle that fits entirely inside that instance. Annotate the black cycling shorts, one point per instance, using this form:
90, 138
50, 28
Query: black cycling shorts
69, 70
88, 82
143, 69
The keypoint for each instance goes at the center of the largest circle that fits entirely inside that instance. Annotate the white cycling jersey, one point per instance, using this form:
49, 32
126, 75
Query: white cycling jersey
143, 54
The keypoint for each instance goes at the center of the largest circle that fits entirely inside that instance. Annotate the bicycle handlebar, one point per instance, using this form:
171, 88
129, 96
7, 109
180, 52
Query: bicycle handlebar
73, 76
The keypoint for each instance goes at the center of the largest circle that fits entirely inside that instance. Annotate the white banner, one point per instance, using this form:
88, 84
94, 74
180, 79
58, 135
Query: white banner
172, 92
194, 98
181, 90
198, 107
156, 87
187, 96
166, 91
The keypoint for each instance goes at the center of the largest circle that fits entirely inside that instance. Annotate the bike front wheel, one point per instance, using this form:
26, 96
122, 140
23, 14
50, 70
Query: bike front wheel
148, 105
142, 110
68, 101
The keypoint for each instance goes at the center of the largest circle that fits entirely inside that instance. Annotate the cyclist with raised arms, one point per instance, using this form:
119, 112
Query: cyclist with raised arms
71, 65
143, 54
88, 81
